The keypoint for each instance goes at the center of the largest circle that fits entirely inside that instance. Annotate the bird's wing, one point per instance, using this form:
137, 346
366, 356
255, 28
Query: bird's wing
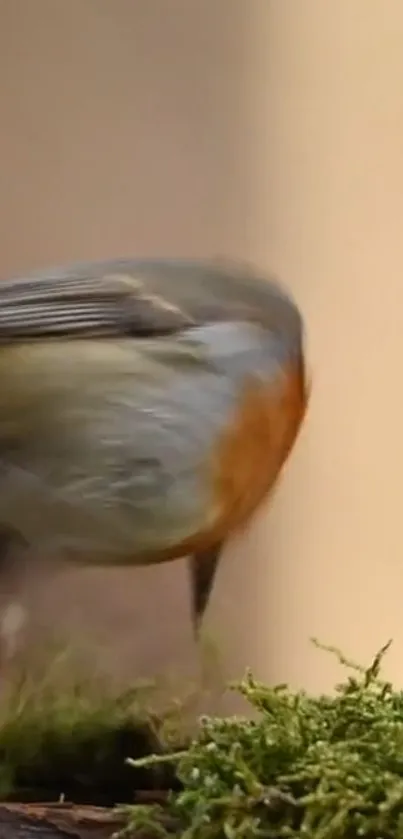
70, 307
153, 295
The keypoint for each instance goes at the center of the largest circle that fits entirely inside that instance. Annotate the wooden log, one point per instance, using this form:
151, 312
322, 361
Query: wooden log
61, 820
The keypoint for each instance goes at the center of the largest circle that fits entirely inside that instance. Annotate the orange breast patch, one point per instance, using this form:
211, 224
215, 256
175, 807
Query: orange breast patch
249, 456
252, 452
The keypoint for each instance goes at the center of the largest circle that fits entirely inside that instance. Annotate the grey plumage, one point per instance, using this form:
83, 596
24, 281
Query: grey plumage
116, 381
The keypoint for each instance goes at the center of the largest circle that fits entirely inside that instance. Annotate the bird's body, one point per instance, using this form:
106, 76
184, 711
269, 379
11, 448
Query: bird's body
146, 407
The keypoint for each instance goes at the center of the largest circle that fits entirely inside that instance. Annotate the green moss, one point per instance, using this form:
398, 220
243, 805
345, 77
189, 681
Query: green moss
65, 732
328, 767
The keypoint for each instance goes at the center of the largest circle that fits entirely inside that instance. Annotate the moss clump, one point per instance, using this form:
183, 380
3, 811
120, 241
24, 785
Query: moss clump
66, 730
65, 733
329, 767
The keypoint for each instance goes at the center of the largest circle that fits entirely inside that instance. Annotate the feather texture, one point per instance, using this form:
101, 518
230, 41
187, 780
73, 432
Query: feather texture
146, 406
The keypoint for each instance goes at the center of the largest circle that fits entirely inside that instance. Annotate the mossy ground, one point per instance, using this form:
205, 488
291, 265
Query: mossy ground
65, 734
327, 767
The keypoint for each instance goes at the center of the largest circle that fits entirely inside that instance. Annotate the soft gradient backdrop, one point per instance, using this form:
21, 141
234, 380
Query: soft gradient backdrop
266, 130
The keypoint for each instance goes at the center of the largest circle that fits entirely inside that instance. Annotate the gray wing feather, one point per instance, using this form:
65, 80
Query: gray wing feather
199, 290
84, 307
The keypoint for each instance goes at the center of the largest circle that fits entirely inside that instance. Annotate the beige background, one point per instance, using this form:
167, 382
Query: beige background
259, 129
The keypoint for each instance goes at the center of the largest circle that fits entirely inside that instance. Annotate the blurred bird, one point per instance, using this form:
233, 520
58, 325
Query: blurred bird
146, 409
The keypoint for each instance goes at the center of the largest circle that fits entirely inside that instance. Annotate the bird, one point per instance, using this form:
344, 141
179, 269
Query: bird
147, 409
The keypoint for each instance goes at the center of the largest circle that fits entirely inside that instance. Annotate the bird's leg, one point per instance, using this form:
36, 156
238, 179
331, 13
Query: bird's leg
203, 569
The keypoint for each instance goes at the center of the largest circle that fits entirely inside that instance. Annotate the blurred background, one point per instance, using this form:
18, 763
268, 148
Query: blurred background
269, 131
